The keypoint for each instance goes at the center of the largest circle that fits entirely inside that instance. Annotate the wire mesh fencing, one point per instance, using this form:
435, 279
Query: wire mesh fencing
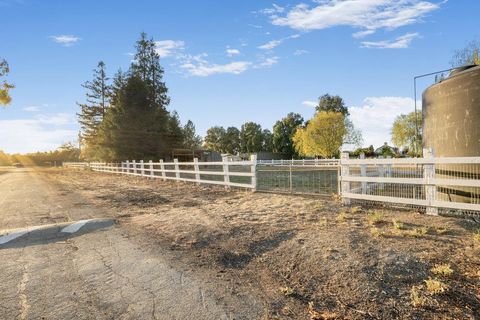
298, 179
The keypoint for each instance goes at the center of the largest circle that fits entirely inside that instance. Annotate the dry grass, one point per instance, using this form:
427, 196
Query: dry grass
316, 315
375, 232
441, 230
342, 217
397, 225
322, 222
286, 291
476, 235
376, 217
442, 270
416, 298
355, 209
435, 286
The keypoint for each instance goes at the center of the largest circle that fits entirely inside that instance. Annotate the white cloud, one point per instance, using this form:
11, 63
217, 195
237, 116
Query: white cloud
401, 42
275, 9
300, 52
41, 133
376, 116
310, 103
65, 40
31, 109
167, 48
274, 43
200, 67
367, 15
270, 44
232, 52
267, 62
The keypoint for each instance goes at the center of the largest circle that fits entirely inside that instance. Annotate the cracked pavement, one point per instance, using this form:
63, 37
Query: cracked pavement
102, 274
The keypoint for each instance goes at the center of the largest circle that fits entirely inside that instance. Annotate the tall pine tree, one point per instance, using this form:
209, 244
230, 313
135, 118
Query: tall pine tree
93, 111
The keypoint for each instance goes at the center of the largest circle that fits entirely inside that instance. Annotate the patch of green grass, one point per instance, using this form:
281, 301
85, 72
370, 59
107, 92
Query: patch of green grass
442, 270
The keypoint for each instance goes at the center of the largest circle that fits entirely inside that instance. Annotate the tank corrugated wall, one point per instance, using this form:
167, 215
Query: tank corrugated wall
451, 127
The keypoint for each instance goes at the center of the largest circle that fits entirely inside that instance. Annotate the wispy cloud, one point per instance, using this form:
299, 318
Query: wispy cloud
401, 42
41, 133
232, 52
267, 62
367, 15
274, 43
274, 9
310, 103
65, 40
167, 48
300, 52
200, 67
31, 109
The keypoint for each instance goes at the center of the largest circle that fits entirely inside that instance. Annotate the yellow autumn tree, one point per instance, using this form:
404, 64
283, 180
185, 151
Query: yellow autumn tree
4, 85
323, 136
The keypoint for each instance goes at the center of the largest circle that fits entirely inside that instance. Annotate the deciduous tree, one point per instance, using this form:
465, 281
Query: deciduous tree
404, 132
283, 132
323, 136
328, 103
4, 85
468, 55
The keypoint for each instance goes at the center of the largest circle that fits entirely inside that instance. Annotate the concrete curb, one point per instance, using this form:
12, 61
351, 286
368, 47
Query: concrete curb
53, 231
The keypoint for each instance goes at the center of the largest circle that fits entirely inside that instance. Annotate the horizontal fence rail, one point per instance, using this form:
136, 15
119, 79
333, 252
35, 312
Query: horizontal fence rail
227, 173
437, 184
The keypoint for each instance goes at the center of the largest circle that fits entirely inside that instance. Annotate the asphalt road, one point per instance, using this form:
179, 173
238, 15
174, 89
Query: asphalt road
92, 271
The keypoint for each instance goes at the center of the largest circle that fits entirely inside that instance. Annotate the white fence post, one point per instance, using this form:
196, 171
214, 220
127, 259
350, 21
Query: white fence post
226, 177
134, 165
363, 173
197, 169
142, 168
381, 173
253, 159
150, 165
128, 166
430, 188
345, 172
177, 168
162, 168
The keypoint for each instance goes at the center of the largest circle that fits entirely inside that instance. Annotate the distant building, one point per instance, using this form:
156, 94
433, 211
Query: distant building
387, 150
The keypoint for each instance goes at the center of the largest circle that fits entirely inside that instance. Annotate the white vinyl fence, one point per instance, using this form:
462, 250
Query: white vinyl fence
446, 184
227, 173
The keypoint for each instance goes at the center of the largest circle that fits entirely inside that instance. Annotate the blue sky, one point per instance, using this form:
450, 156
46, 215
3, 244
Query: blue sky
227, 62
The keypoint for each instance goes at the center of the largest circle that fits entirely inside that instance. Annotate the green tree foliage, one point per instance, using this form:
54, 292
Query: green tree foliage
283, 132
190, 138
132, 129
4, 85
267, 144
328, 103
93, 111
467, 56
368, 152
323, 135
214, 140
404, 132
231, 141
251, 137
137, 124
146, 66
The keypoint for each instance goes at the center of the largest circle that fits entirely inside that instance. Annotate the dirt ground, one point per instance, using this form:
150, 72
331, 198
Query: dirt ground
300, 257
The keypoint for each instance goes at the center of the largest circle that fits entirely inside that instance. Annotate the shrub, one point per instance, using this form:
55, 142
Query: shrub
398, 225
416, 297
375, 218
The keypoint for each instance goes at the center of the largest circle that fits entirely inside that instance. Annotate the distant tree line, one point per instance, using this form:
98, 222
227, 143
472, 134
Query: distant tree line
292, 137
66, 152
